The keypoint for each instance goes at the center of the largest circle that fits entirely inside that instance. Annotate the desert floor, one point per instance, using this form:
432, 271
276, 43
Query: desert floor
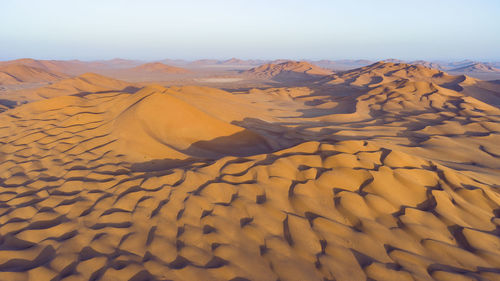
386, 172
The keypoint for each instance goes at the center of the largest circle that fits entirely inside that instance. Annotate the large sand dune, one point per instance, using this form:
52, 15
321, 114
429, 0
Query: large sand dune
386, 172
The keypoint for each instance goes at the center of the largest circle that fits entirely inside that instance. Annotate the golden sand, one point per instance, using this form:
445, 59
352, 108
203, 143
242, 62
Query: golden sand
387, 172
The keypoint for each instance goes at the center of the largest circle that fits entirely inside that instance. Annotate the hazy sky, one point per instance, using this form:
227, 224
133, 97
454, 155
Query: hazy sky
267, 29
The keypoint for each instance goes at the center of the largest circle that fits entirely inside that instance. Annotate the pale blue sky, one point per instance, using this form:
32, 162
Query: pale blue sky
267, 29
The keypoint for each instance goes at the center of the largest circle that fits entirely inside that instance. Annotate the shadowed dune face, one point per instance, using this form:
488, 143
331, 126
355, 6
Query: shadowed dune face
382, 173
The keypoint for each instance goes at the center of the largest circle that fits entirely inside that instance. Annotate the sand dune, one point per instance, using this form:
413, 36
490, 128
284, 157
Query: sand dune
85, 83
485, 91
288, 70
47, 65
18, 73
385, 172
199, 134
476, 67
428, 64
481, 70
128, 116
341, 65
383, 72
73, 67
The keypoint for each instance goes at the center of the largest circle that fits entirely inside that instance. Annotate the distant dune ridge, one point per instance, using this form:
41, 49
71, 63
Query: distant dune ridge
228, 62
340, 65
77, 67
477, 67
383, 72
85, 83
388, 171
158, 67
428, 64
235, 61
73, 67
47, 65
288, 70
19, 73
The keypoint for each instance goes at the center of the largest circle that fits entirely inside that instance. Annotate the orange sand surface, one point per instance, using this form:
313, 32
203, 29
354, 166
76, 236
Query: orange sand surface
385, 172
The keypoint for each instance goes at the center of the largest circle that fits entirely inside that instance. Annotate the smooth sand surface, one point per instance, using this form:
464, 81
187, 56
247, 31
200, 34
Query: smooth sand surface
387, 172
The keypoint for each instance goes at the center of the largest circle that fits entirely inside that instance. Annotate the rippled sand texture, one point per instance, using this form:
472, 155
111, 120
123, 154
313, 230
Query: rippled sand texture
390, 173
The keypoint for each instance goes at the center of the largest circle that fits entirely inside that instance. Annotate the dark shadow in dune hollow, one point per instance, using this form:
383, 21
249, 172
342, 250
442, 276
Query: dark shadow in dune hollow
128, 89
241, 144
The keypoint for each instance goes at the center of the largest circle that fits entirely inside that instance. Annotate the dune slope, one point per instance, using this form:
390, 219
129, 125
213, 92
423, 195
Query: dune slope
18, 73
85, 83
